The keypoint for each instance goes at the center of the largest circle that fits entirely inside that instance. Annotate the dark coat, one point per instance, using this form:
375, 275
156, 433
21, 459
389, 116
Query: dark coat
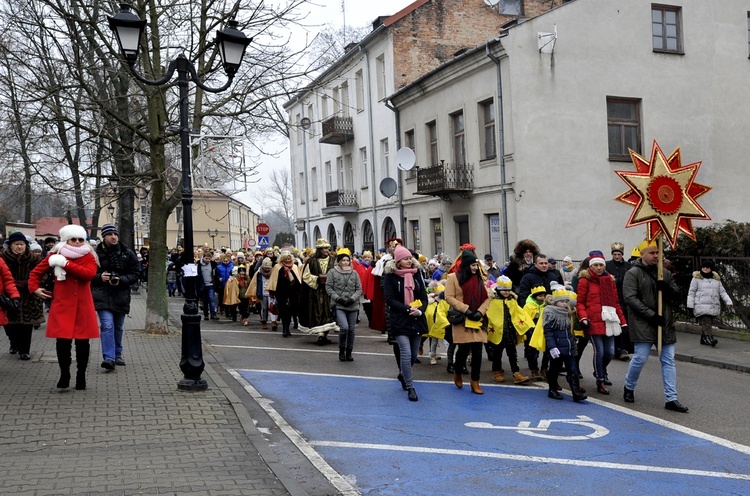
618, 271
533, 278
401, 323
559, 335
116, 259
640, 293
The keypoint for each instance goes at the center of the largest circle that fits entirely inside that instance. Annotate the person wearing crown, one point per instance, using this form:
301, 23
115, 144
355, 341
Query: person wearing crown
533, 308
560, 343
315, 315
344, 288
507, 327
641, 289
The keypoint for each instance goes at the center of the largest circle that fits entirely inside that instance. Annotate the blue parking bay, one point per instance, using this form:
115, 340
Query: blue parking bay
511, 440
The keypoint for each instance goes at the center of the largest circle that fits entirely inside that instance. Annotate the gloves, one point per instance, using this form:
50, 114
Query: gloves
57, 260
477, 316
585, 324
659, 320
15, 304
346, 301
554, 353
469, 314
663, 286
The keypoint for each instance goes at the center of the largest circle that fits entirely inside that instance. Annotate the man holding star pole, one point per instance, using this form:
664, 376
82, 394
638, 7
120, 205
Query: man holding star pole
663, 193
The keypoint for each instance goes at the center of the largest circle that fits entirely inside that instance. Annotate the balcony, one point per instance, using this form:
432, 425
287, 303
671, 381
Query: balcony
443, 180
341, 201
337, 130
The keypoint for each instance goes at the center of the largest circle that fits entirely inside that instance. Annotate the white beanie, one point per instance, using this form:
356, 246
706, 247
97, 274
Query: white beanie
72, 231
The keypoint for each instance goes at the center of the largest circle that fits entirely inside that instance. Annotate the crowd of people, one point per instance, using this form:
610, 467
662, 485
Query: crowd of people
472, 306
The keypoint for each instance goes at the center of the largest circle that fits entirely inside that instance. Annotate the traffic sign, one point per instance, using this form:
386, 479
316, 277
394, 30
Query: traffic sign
263, 229
251, 242
263, 241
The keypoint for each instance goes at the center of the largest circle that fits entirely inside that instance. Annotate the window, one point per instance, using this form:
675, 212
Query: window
385, 167
364, 167
623, 127
340, 173
314, 185
409, 143
432, 143
310, 116
336, 101
487, 129
437, 235
329, 177
748, 34
459, 150
324, 107
345, 99
298, 125
380, 75
666, 29
301, 187
360, 89
348, 171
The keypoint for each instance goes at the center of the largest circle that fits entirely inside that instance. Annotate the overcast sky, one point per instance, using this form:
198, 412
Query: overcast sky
357, 13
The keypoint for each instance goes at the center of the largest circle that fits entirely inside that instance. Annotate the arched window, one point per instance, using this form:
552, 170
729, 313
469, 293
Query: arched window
368, 243
305, 242
316, 235
389, 230
349, 236
332, 236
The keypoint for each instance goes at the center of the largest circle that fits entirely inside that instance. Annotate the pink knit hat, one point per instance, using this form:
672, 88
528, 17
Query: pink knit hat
401, 253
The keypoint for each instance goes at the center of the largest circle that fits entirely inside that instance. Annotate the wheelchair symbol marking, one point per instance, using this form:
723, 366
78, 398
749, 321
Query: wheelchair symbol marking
524, 427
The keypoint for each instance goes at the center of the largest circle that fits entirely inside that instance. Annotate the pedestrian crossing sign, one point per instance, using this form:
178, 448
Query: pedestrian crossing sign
263, 241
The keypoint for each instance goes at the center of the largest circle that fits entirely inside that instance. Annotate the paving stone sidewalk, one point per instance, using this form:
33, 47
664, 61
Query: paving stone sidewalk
130, 432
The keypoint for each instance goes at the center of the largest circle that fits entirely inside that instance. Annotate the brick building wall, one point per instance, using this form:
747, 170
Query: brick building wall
434, 31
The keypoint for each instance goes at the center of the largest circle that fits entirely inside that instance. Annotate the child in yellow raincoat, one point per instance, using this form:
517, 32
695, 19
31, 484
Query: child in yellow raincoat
507, 327
437, 317
534, 308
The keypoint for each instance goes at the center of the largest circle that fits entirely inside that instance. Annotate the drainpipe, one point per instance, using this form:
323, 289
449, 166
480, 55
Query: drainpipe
310, 241
501, 146
400, 176
373, 186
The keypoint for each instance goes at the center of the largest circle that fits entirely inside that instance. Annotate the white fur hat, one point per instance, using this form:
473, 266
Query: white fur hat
72, 231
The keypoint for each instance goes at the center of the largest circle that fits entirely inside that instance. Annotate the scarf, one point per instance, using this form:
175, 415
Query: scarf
287, 274
556, 318
474, 292
408, 275
70, 252
609, 301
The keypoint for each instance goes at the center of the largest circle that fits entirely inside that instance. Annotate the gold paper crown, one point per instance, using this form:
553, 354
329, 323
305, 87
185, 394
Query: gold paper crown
635, 253
504, 282
538, 290
617, 246
646, 244
560, 294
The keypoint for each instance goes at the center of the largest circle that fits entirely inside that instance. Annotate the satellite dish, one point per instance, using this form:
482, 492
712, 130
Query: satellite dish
388, 187
405, 159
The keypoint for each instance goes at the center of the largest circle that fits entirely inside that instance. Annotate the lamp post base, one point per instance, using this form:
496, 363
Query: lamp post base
192, 385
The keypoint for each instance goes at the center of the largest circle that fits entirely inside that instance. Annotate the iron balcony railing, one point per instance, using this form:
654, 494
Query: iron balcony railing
337, 130
443, 179
341, 198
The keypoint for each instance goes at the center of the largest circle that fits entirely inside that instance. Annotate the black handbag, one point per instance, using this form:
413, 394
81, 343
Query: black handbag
455, 317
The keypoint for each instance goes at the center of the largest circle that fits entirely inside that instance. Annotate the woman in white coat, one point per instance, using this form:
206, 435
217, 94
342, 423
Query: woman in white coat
704, 299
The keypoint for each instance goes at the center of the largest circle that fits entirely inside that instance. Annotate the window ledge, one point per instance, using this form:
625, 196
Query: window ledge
669, 52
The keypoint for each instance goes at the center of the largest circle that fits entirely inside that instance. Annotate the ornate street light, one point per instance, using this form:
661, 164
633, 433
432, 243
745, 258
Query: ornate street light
212, 235
128, 29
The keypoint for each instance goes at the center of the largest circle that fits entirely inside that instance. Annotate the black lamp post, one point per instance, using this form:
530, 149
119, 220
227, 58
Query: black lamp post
213, 235
128, 29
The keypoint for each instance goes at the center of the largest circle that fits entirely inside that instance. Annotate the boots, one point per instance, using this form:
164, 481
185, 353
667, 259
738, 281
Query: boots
601, 388
579, 394
476, 388
342, 354
82, 361
499, 376
349, 357
457, 379
518, 378
705, 340
713, 341
412, 394
63, 348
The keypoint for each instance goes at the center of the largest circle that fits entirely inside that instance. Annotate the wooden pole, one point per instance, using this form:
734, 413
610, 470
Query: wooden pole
660, 296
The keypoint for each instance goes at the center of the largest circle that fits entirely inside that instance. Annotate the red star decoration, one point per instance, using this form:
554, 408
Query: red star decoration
664, 194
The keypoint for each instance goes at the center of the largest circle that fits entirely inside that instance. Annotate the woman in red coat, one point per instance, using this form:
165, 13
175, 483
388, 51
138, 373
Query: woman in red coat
72, 314
600, 315
8, 288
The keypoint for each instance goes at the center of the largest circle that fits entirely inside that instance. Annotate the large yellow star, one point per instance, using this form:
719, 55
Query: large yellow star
664, 194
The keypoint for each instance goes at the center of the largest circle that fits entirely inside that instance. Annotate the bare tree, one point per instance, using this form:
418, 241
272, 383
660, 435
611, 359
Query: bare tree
279, 198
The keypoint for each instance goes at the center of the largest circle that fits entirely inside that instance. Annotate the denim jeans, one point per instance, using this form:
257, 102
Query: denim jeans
207, 297
408, 348
604, 350
111, 324
346, 320
668, 369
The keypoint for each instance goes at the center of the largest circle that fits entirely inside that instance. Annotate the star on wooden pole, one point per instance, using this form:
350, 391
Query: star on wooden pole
663, 193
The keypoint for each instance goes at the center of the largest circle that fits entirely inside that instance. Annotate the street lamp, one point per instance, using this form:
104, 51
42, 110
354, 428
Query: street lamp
111, 209
128, 29
213, 235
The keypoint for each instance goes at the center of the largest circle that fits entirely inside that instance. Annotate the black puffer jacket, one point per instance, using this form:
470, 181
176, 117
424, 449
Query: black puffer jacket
401, 323
640, 293
116, 259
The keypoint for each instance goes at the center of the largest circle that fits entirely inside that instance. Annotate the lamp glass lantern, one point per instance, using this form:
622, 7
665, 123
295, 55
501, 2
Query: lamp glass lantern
128, 29
232, 44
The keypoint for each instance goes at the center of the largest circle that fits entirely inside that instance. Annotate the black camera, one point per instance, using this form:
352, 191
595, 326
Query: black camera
114, 278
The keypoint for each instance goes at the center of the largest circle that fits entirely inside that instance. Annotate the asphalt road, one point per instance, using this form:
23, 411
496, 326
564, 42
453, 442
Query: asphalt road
717, 399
